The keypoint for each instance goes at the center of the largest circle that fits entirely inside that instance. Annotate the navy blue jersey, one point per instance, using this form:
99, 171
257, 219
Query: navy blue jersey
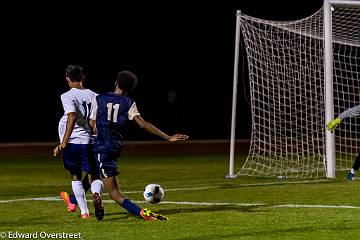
111, 111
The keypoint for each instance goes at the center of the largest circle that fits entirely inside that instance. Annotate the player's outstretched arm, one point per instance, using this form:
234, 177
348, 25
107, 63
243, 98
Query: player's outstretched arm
153, 130
351, 112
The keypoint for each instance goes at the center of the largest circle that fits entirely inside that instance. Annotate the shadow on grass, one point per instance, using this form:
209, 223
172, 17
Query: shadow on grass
171, 211
211, 209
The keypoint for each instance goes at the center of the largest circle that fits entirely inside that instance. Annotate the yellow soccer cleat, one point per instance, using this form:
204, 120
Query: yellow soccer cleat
150, 216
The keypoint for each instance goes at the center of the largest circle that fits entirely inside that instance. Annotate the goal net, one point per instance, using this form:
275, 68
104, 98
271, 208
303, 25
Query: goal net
287, 89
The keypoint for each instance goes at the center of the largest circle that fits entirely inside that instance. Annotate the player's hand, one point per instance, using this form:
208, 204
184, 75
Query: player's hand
59, 148
178, 137
333, 124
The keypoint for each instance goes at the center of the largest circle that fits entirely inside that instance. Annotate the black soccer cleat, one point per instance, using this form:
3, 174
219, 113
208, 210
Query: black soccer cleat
99, 206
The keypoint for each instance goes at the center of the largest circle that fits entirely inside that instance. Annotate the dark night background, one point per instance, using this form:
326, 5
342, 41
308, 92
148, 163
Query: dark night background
183, 54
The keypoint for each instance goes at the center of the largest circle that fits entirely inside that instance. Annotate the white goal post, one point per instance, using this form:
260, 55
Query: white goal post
302, 74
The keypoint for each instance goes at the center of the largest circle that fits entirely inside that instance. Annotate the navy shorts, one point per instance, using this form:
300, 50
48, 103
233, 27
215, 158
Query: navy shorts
78, 158
107, 163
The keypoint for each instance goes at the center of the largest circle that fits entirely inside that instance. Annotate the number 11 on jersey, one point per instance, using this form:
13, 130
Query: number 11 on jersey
112, 111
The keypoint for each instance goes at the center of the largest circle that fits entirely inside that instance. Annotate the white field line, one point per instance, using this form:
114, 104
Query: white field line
314, 206
280, 182
206, 203
31, 199
212, 203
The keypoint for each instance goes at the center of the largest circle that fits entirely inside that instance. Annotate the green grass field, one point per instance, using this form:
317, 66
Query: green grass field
199, 202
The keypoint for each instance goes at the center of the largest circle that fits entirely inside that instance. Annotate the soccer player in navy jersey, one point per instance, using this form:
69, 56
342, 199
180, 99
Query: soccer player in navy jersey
76, 138
109, 113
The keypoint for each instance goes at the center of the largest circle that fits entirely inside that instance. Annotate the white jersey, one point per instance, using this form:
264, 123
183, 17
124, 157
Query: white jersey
77, 101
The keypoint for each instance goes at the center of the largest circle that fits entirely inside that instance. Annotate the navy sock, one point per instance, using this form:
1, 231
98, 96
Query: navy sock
131, 207
73, 199
86, 186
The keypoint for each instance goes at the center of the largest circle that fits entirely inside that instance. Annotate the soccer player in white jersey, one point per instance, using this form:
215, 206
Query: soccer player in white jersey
109, 114
76, 139
351, 112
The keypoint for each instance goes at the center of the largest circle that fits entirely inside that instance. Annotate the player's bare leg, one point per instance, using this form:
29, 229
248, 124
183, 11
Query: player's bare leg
112, 186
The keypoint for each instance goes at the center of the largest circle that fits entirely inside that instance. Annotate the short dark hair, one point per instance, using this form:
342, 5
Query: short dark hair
74, 73
126, 81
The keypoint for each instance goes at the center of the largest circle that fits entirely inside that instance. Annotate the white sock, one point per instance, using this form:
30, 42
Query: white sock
353, 171
79, 192
97, 186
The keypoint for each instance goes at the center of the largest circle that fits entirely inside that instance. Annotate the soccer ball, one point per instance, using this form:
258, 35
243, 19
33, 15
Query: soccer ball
153, 193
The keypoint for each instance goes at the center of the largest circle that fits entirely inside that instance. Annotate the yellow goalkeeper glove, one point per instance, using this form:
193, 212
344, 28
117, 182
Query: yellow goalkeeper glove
333, 124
